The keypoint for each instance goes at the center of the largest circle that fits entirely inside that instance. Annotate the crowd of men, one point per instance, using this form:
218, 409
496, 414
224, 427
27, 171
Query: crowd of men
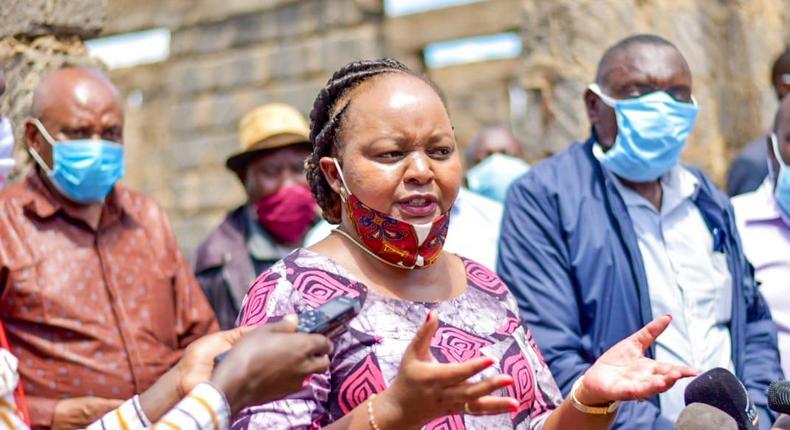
98, 302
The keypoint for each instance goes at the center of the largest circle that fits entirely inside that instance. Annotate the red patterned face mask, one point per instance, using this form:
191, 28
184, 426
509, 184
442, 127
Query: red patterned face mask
288, 213
391, 240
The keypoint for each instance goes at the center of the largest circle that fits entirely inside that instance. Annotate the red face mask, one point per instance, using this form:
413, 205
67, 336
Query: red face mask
397, 242
287, 213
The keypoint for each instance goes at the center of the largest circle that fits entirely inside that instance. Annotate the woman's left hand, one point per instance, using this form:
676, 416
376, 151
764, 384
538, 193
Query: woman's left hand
624, 373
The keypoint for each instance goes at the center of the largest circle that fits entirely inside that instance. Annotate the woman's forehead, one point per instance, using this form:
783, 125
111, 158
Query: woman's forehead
394, 98
393, 90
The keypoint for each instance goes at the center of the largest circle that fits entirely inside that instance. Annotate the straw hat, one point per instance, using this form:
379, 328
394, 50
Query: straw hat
267, 127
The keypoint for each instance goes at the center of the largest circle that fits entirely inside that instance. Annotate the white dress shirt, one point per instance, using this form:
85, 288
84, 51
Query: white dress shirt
686, 277
765, 233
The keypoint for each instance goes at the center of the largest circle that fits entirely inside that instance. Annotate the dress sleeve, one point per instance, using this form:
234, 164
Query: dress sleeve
270, 298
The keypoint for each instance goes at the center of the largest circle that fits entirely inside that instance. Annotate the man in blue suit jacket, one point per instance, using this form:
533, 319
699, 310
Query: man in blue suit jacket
612, 232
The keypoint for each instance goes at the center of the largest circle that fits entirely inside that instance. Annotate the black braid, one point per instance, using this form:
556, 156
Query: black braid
326, 119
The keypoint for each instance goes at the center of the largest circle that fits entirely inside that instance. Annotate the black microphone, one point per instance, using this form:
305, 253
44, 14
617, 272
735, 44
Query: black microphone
699, 416
779, 396
722, 390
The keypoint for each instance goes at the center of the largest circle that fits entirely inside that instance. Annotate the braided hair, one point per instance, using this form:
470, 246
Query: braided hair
326, 119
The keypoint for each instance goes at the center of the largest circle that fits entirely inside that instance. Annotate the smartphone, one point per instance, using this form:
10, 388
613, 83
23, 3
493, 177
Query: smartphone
328, 319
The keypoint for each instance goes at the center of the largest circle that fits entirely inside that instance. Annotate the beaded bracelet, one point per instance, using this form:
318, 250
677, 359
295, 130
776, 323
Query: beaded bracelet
371, 417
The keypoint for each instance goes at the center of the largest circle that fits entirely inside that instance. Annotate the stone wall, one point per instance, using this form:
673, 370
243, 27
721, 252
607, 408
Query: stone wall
230, 56
730, 46
477, 93
36, 37
224, 62
228, 59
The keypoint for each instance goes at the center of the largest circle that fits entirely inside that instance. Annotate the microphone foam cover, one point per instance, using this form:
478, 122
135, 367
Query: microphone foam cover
779, 396
699, 416
719, 388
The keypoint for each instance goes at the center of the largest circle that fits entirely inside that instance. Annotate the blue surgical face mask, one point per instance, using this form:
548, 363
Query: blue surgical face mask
7, 161
782, 188
83, 170
651, 133
492, 176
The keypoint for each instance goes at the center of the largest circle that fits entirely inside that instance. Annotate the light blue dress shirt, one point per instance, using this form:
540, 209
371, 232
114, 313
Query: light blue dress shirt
686, 278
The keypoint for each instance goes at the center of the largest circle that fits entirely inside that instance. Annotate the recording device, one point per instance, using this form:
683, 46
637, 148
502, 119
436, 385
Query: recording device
779, 397
328, 319
699, 416
722, 390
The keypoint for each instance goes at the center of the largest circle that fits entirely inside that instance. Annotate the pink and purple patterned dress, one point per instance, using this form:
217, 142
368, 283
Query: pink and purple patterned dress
482, 321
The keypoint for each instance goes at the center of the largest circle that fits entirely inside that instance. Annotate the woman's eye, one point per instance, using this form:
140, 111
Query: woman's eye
392, 154
442, 151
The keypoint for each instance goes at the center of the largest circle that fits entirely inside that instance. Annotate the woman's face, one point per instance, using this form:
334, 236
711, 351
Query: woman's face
397, 149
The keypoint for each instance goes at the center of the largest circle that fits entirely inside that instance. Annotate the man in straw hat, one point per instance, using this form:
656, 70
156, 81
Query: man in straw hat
278, 212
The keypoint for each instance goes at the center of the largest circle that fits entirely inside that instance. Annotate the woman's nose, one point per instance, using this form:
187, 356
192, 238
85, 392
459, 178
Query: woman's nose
419, 169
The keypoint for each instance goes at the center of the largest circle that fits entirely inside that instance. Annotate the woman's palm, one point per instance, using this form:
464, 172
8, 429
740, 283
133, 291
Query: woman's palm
624, 373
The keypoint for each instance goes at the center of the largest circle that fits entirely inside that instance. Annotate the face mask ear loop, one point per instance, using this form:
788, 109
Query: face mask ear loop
344, 191
598, 92
775, 145
48, 138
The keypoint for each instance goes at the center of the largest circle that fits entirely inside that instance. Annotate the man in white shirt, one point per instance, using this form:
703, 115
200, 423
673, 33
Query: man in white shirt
763, 218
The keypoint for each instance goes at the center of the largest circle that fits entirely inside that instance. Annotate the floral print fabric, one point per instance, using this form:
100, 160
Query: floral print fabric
482, 321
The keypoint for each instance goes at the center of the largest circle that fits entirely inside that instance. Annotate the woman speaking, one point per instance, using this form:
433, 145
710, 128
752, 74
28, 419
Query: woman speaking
438, 343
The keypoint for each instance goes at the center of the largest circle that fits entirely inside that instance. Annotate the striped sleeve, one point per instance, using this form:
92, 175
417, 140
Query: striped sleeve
129, 416
10, 417
204, 408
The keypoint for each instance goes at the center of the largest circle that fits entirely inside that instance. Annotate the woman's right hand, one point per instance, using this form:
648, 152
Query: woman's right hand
425, 389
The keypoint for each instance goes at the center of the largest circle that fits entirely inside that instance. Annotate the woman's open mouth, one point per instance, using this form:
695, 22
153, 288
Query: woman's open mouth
418, 206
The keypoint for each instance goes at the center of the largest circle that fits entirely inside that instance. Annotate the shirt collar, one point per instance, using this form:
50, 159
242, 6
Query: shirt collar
678, 185
260, 244
762, 205
45, 202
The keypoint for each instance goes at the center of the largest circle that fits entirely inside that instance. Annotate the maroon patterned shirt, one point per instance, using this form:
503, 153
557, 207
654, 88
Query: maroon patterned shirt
92, 313
482, 321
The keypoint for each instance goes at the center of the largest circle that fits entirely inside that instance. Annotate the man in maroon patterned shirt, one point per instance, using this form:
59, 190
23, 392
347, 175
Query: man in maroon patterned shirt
95, 295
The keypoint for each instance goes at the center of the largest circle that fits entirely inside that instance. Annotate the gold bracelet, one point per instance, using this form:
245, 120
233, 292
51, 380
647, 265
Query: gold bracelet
592, 410
371, 417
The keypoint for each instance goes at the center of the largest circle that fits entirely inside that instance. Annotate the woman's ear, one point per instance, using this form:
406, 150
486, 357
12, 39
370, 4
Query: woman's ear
332, 175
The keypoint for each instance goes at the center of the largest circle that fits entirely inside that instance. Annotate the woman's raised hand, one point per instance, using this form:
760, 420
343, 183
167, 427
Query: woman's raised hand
426, 389
624, 373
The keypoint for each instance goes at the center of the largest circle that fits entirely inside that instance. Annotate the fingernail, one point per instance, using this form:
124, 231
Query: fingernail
428, 317
669, 315
514, 406
507, 383
489, 361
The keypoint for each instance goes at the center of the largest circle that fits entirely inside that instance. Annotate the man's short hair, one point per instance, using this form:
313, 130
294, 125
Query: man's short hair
613, 51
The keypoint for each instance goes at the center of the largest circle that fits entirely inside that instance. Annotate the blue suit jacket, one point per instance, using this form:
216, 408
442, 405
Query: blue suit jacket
570, 256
